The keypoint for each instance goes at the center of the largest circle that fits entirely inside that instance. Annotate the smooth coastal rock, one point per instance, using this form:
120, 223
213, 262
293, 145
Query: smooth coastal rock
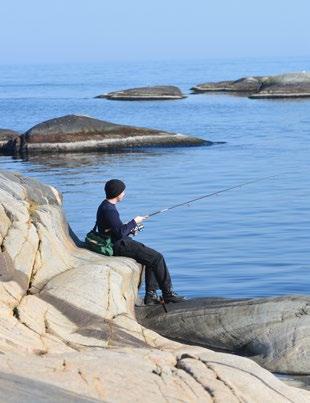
245, 84
290, 85
275, 332
159, 92
67, 322
75, 133
294, 85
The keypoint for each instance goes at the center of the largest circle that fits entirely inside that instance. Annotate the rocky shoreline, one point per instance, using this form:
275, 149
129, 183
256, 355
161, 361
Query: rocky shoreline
71, 327
68, 321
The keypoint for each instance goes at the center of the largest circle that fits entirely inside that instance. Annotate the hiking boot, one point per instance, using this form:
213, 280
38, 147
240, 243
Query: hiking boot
172, 296
151, 298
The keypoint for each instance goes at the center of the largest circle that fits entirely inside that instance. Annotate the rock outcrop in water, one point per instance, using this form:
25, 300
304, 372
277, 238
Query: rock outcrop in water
67, 322
158, 92
7, 136
74, 133
245, 84
275, 332
294, 85
290, 85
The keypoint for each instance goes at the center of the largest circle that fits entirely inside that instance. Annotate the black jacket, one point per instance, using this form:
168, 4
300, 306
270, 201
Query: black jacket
108, 218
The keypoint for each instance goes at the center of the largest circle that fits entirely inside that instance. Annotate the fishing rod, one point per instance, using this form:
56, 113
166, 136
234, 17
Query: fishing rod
213, 194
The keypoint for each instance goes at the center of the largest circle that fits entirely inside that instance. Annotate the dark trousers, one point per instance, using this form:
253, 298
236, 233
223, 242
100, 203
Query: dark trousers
156, 271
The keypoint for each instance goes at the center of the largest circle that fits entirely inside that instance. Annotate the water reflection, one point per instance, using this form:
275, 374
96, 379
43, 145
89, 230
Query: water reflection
223, 93
78, 160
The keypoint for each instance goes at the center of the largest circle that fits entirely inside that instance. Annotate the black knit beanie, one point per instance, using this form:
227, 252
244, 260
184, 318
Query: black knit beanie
114, 188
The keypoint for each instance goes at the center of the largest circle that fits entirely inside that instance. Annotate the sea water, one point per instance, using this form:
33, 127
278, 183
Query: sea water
249, 242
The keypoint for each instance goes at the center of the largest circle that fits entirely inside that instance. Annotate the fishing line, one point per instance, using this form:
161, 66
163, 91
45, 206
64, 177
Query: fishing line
214, 194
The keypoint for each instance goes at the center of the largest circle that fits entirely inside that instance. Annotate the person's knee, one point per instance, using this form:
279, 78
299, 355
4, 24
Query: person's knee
158, 258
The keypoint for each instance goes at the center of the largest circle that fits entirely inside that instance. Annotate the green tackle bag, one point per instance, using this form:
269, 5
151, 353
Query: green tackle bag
98, 243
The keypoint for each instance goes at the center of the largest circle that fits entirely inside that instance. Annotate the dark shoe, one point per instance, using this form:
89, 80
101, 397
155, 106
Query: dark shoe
151, 298
172, 296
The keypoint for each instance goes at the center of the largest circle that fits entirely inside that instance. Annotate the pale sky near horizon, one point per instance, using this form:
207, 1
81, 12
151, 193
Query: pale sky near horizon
66, 31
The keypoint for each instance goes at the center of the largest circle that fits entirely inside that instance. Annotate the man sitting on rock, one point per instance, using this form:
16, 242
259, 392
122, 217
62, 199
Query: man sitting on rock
156, 270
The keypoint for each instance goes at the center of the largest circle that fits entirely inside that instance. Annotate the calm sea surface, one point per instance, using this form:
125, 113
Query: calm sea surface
252, 241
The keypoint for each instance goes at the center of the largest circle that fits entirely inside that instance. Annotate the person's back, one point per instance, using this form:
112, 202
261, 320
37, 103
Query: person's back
109, 222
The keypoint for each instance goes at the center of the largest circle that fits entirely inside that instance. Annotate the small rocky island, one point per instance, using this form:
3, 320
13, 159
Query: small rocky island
68, 327
79, 133
157, 93
290, 85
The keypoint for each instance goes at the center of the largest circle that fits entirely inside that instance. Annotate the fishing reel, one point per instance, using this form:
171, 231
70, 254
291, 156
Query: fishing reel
137, 229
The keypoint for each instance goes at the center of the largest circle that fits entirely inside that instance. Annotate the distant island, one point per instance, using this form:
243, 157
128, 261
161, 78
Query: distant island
290, 85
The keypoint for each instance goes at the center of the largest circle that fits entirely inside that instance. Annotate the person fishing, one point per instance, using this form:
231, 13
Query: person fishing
156, 271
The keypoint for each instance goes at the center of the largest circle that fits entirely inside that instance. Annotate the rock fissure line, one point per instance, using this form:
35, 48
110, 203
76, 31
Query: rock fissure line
109, 291
10, 294
17, 316
50, 279
27, 291
195, 379
83, 376
10, 217
161, 392
74, 346
189, 372
241, 370
30, 223
37, 258
25, 240
227, 385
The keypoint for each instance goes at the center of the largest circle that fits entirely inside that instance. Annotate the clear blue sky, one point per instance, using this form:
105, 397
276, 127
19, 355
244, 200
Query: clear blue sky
101, 30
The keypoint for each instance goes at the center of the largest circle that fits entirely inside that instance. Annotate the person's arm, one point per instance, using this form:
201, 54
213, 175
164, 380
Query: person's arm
118, 229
